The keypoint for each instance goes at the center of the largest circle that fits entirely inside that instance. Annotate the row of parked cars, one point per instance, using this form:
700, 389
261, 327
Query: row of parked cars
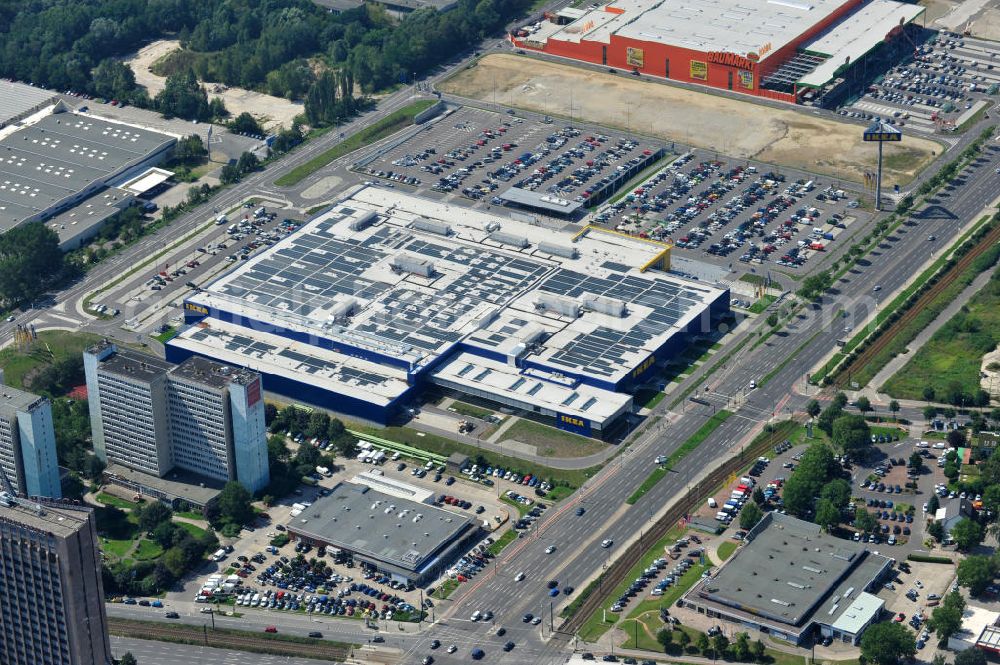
650, 574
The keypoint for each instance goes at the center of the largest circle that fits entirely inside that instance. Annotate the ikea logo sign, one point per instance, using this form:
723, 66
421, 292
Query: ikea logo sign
646, 364
570, 420
196, 308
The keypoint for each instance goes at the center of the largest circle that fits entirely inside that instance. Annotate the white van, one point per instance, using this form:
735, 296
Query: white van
712, 503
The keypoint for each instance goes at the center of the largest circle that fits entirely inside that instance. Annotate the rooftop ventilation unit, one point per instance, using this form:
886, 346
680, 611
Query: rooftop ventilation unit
362, 220
431, 226
413, 264
510, 239
558, 250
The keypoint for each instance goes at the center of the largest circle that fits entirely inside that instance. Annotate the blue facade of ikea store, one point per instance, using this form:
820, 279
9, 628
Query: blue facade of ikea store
307, 392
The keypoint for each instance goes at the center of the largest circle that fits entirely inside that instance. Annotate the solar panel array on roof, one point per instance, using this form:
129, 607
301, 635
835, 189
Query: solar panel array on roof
603, 350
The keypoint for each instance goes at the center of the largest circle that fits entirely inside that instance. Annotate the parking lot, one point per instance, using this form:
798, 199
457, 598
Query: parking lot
480, 154
723, 209
948, 79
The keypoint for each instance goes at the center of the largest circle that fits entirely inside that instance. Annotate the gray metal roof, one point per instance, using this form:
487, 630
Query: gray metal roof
788, 568
63, 154
858, 613
12, 399
381, 527
18, 100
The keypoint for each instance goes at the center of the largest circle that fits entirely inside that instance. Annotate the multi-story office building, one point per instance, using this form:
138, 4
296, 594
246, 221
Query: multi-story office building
50, 581
28, 444
127, 397
200, 416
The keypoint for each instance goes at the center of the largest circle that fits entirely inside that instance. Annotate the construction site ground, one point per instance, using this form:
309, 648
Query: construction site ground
744, 129
270, 111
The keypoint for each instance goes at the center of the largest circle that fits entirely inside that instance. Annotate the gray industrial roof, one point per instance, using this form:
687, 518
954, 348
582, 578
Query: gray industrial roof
63, 154
177, 484
12, 398
18, 100
382, 527
788, 567
132, 364
211, 373
58, 518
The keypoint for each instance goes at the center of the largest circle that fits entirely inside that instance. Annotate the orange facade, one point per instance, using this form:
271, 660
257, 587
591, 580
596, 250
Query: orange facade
722, 70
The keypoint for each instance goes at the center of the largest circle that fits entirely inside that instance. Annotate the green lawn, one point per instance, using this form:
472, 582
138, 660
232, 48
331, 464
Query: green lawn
551, 441
726, 549
446, 589
376, 131
640, 634
109, 500
190, 514
471, 410
503, 541
762, 304
757, 279
50, 347
951, 358
648, 398
195, 530
166, 335
441, 445
147, 550
117, 548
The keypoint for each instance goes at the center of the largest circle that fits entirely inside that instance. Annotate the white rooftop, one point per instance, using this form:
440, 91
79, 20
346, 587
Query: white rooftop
974, 621
546, 390
271, 354
735, 26
368, 273
855, 36
858, 613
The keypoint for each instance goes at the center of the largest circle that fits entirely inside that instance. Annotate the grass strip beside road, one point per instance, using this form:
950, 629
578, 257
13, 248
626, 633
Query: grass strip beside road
685, 449
502, 542
726, 549
225, 638
446, 589
376, 131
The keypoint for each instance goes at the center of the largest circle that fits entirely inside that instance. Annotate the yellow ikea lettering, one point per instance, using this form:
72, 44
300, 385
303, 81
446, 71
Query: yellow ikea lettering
196, 308
646, 364
572, 421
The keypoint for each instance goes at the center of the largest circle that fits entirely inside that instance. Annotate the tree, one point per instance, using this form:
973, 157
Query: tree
665, 637
864, 405
720, 643
163, 534
956, 438
864, 521
30, 262
976, 573
128, 659
702, 643
72, 487
153, 514
114, 79
970, 657
245, 123
757, 650
946, 621
936, 531
827, 515
894, 408
750, 515
740, 649
929, 394
183, 97
933, 504
772, 320
916, 462
930, 412
813, 408
967, 534
887, 644
758, 496
234, 504
683, 639
851, 434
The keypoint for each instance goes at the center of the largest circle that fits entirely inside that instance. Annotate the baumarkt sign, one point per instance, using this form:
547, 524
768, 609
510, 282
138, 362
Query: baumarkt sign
731, 59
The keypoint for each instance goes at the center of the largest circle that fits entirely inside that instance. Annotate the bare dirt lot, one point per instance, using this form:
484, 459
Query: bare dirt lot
738, 128
987, 25
270, 111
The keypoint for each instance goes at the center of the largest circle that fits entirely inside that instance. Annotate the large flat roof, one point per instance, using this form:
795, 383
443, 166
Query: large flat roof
530, 388
398, 531
789, 571
409, 278
58, 518
61, 154
18, 100
12, 399
274, 355
855, 36
734, 26
178, 483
